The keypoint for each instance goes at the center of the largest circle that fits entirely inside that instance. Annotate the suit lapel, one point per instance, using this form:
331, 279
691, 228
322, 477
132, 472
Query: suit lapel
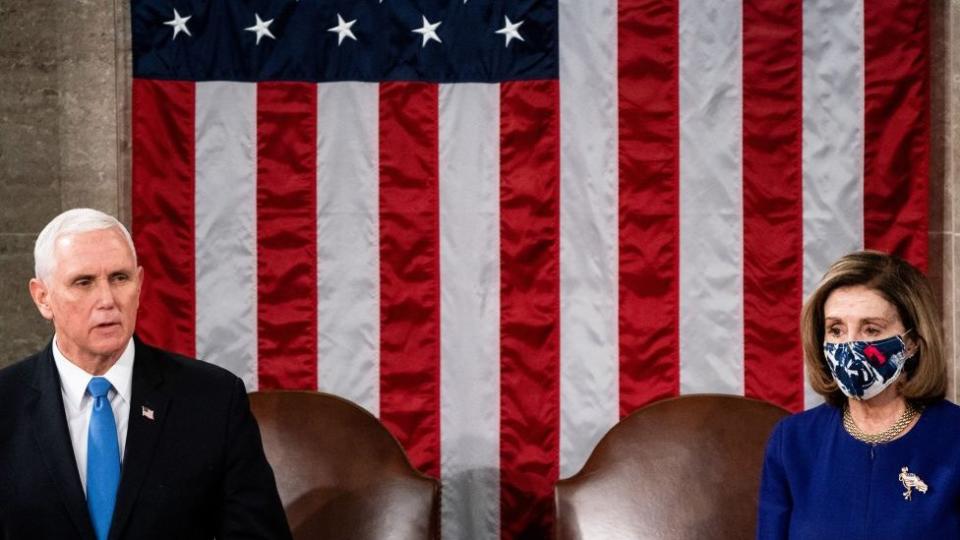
143, 432
53, 440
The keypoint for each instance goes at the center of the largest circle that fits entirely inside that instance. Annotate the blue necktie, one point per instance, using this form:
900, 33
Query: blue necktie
103, 459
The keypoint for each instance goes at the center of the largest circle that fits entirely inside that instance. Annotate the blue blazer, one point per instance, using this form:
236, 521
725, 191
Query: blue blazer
819, 482
195, 471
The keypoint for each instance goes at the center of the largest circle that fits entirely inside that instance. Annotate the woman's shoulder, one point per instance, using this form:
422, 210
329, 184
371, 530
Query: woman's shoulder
942, 416
945, 407
945, 414
809, 423
942, 409
820, 413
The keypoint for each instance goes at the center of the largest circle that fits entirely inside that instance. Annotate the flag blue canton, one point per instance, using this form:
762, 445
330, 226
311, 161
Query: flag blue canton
218, 40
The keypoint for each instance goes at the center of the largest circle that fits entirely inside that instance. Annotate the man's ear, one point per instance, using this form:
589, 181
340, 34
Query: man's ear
41, 297
139, 280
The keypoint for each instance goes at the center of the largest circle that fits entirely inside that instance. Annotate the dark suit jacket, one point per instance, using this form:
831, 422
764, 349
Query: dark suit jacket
196, 470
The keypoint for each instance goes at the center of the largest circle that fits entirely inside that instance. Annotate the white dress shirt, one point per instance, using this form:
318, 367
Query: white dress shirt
78, 404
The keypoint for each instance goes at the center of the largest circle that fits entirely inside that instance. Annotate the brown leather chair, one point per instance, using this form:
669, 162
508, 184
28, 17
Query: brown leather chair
687, 467
339, 471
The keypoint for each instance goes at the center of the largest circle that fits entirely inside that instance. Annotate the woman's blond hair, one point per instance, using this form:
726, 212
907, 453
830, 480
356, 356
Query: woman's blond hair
925, 374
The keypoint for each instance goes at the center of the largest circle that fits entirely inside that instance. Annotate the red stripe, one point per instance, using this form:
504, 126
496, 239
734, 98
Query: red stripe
897, 128
410, 269
773, 200
286, 236
529, 306
163, 224
649, 131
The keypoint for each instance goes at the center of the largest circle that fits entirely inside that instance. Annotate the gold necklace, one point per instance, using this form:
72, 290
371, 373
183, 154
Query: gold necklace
891, 433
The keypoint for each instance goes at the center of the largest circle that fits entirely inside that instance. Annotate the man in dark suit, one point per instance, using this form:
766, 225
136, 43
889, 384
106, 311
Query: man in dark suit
103, 436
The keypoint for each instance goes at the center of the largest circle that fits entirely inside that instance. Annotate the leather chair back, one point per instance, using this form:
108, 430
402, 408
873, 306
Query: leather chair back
683, 468
340, 473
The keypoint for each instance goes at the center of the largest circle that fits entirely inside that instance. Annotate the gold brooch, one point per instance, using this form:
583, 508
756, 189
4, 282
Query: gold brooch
911, 481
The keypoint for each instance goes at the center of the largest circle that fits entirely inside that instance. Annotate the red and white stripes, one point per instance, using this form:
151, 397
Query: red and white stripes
502, 271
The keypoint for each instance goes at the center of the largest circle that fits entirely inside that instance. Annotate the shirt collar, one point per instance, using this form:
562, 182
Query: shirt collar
74, 380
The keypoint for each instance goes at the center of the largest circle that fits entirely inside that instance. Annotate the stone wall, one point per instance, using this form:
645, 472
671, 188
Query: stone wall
61, 95
945, 172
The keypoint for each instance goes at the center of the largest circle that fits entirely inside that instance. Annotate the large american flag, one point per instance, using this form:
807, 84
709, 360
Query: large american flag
503, 225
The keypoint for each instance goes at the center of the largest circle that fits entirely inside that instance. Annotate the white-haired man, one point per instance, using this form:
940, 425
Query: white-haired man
103, 436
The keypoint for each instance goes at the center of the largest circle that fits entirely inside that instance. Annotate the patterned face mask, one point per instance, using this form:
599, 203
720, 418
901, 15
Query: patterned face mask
863, 369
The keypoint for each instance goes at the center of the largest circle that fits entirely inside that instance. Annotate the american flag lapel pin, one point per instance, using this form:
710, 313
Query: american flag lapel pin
146, 412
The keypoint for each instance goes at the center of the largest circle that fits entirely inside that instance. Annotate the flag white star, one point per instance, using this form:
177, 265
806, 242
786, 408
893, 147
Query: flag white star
342, 29
428, 31
510, 30
262, 28
179, 24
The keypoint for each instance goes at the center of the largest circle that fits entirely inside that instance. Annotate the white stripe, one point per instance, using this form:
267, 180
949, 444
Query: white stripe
470, 310
833, 79
348, 242
225, 228
589, 360
711, 212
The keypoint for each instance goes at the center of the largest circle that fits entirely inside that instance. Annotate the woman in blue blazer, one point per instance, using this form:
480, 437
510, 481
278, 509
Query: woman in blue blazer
880, 459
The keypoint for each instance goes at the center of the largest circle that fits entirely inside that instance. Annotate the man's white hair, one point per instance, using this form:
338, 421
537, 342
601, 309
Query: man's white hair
75, 221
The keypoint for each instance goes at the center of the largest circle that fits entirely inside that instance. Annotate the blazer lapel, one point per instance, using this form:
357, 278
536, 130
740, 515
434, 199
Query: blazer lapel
53, 440
148, 408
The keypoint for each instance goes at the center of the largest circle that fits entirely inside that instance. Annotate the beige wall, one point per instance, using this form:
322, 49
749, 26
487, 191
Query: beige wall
945, 170
59, 142
64, 97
